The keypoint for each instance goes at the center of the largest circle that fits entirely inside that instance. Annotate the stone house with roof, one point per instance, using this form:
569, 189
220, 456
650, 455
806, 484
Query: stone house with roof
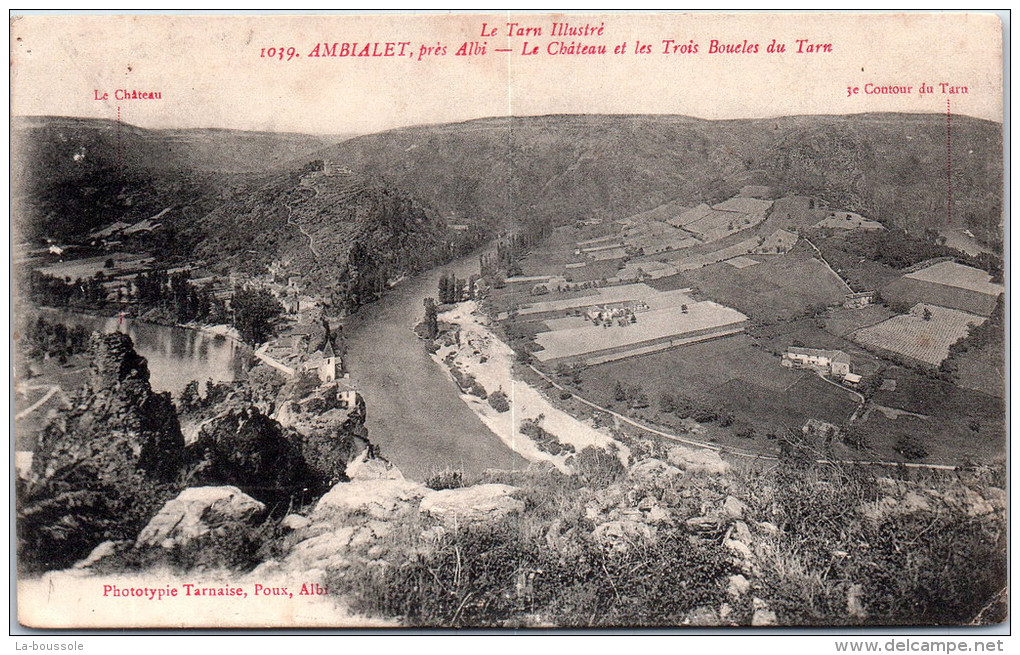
835, 362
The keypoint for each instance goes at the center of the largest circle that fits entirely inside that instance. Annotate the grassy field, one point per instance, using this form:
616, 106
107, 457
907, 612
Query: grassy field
840, 321
964, 423
983, 370
727, 373
780, 288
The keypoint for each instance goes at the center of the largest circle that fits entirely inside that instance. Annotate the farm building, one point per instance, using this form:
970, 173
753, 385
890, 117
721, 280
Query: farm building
859, 300
835, 362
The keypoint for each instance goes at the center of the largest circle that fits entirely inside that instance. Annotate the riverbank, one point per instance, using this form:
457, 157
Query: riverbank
415, 413
176, 354
478, 352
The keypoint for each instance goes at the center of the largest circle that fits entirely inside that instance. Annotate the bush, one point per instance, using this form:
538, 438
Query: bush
911, 448
235, 546
445, 480
498, 401
543, 439
501, 576
597, 468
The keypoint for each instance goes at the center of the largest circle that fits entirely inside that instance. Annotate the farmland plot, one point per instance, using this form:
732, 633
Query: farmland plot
916, 337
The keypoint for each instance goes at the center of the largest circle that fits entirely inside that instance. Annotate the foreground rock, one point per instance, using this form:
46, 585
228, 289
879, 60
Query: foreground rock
698, 460
118, 449
381, 498
197, 511
481, 503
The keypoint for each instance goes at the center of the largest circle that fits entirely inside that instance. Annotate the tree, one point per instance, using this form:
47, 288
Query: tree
255, 310
927, 314
431, 320
619, 393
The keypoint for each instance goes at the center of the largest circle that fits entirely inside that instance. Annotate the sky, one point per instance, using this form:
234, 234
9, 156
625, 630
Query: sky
210, 70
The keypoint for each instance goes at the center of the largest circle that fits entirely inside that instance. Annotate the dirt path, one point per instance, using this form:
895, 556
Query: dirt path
290, 218
53, 389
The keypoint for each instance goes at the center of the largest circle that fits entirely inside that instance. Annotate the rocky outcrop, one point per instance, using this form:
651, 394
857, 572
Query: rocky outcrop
376, 489
481, 503
698, 460
623, 535
655, 473
197, 511
245, 448
328, 423
102, 467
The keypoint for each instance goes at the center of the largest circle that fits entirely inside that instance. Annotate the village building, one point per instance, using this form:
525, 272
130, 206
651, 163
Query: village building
835, 362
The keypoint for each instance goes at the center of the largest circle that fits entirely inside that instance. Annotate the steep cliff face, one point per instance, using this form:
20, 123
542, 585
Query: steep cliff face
103, 466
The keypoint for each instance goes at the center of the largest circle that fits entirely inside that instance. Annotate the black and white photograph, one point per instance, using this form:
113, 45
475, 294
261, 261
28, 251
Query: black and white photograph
509, 320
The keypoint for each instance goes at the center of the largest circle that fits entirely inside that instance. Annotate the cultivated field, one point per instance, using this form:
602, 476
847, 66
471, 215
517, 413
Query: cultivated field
909, 291
651, 326
959, 276
780, 288
917, 338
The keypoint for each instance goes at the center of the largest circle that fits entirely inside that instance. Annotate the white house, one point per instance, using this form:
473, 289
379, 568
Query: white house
835, 362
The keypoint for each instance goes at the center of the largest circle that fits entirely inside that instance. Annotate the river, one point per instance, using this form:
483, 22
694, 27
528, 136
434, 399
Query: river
175, 355
415, 413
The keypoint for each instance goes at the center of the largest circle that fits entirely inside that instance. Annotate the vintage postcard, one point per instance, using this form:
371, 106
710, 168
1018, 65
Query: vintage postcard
509, 320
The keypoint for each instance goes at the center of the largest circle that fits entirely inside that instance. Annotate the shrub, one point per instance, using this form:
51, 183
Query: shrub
498, 401
597, 467
911, 448
543, 439
447, 479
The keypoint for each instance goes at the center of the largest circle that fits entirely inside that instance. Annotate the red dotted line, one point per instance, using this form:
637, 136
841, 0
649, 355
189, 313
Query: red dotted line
949, 161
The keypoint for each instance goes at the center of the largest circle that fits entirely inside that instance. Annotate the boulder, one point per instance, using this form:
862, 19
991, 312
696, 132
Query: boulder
698, 461
652, 511
379, 498
855, 602
741, 532
763, 616
197, 511
324, 551
704, 524
733, 508
655, 472
703, 617
295, 522
365, 468
480, 503
102, 551
621, 535
738, 586
739, 548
